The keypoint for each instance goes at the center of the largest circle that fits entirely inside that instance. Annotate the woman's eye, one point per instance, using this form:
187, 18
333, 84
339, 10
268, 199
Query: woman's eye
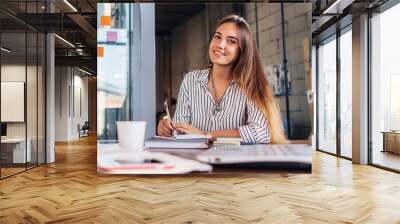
232, 41
217, 37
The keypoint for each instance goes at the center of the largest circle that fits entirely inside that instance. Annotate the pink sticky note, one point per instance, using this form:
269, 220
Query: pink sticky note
112, 36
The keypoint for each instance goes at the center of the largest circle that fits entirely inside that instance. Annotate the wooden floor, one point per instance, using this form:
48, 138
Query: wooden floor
70, 191
10, 171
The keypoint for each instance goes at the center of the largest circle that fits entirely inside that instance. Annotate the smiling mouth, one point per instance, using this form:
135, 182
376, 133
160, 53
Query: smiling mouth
218, 53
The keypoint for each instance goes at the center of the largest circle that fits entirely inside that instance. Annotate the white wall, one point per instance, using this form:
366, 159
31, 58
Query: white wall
33, 126
61, 103
12, 73
69, 82
79, 117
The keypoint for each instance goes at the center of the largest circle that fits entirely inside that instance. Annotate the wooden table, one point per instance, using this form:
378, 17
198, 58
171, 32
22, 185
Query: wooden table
106, 153
391, 141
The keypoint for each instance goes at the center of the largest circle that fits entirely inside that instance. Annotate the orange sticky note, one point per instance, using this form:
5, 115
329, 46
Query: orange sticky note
100, 51
105, 20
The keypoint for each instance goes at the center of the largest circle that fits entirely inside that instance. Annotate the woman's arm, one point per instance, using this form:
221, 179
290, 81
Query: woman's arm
182, 111
256, 129
187, 128
233, 133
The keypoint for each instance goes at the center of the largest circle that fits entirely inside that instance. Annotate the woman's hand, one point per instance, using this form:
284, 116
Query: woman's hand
165, 128
188, 129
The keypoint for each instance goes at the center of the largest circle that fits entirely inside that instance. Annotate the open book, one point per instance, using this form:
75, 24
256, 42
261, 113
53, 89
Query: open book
185, 136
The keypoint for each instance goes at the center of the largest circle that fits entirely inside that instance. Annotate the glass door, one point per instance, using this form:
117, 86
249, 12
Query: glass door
22, 88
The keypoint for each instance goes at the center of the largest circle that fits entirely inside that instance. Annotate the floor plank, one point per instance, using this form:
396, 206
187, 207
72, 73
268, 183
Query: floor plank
70, 191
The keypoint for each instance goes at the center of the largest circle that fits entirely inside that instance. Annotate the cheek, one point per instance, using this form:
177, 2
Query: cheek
235, 52
210, 51
211, 46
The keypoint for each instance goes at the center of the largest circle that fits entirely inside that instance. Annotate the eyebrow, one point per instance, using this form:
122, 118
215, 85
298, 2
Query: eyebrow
228, 36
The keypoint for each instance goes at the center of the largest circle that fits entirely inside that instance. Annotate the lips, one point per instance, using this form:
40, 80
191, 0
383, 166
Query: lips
218, 53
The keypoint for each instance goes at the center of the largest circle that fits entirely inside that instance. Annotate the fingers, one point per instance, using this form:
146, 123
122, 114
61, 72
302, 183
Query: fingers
166, 121
182, 127
165, 132
164, 128
183, 130
187, 128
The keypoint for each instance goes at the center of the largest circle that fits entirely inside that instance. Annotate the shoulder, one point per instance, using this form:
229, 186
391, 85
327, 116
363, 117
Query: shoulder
241, 95
195, 76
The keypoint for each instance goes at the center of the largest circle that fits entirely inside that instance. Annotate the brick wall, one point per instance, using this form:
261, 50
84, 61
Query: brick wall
297, 27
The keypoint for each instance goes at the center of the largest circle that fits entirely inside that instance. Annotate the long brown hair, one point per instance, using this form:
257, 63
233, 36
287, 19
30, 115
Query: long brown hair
251, 78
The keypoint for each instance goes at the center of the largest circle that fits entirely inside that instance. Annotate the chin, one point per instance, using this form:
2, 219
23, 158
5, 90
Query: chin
220, 62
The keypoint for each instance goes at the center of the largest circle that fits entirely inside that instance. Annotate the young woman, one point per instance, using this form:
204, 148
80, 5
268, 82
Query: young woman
231, 97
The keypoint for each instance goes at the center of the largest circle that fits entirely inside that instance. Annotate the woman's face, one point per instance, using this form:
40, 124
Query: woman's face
224, 47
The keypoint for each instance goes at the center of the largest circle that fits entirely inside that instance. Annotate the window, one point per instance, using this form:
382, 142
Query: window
113, 81
346, 93
385, 88
327, 96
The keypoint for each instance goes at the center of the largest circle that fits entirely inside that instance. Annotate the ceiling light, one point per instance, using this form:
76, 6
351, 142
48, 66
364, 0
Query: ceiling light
65, 41
84, 71
337, 7
70, 5
79, 51
5, 50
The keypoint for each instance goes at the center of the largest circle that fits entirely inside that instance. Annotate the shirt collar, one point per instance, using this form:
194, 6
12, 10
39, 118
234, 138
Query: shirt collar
203, 76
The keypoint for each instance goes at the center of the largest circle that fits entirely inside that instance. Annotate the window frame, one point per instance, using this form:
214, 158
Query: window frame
332, 33
371, 13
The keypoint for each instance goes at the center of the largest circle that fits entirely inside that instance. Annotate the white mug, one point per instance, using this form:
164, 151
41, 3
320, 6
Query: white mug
131, 134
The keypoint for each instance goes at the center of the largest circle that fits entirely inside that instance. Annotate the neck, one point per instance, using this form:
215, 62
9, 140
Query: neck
222, 73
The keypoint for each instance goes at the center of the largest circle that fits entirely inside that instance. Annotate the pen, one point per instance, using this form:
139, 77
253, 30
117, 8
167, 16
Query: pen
169, 117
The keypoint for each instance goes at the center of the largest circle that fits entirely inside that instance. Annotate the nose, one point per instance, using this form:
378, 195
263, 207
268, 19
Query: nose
222, 44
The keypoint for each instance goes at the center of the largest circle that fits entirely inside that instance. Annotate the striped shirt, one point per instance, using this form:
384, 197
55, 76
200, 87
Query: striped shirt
196, 106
